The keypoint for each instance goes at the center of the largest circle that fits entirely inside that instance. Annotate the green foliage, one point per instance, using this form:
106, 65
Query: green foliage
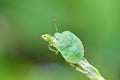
23, 21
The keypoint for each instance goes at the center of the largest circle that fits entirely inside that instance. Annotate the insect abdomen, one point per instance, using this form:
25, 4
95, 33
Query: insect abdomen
70, 47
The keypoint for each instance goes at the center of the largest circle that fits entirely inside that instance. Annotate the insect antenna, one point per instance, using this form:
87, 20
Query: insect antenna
55, 24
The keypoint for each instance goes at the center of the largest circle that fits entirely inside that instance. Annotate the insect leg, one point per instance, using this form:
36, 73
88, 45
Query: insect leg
56, 51
76, 67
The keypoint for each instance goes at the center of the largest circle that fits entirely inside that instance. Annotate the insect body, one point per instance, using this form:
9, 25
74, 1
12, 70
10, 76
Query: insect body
69, 45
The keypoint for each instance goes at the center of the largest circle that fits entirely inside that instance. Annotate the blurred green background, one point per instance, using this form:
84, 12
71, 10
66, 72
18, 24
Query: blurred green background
25, 56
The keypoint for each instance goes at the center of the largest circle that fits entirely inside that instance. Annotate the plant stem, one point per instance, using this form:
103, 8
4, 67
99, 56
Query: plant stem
88, 70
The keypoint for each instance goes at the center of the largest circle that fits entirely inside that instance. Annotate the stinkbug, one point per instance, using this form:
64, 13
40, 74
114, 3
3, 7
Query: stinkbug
72, 50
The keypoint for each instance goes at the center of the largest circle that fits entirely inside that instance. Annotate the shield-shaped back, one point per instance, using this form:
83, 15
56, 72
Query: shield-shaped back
70, 46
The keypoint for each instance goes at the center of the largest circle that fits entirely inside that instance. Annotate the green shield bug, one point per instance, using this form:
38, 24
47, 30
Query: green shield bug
72, 50
69, 45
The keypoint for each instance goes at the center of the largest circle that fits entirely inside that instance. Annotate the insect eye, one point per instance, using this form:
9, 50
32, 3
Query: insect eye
44, 36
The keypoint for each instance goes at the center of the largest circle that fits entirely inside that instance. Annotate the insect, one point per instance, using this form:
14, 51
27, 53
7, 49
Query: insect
72, 50
66, 43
